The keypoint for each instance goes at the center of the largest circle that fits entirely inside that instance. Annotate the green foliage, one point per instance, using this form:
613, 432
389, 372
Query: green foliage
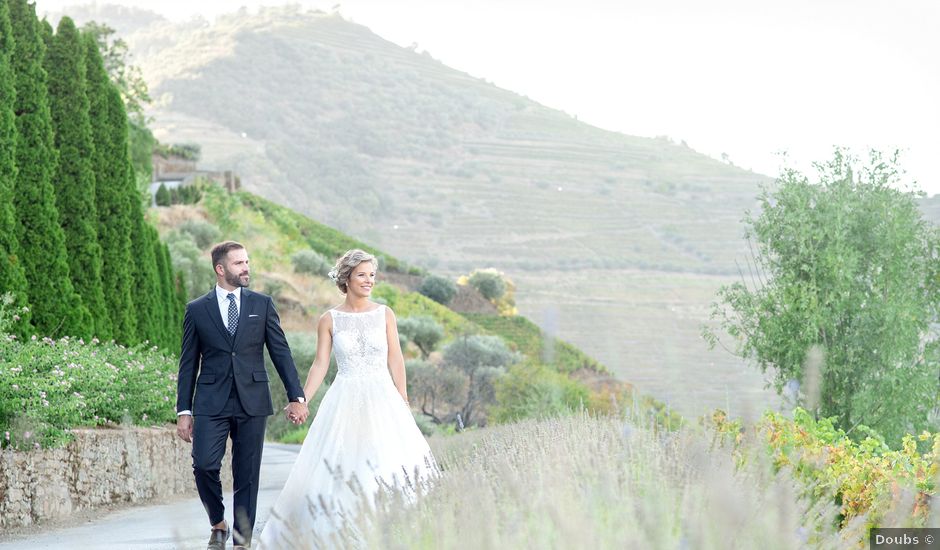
56, 307
496, 287
412, 304
129, 81
483, 360
194, 267
325, 240
12, 277
865, 478
203, 233
49, 386
162, 197
440, 289
846, 265
75, 181
187, 194
489, 282
309, 261
170, 333
140, 144
536, 391
531, 341
109, 133
437, 390
303, 347
147, 298
187, 151
423, 331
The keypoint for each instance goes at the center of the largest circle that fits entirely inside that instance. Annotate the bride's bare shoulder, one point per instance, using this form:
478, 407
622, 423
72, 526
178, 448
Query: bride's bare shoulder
326, 319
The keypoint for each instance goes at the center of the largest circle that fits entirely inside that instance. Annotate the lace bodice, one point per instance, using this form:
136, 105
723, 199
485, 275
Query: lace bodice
360, 342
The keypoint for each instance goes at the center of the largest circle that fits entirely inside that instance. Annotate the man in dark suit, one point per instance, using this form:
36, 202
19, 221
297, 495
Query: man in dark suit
223, 389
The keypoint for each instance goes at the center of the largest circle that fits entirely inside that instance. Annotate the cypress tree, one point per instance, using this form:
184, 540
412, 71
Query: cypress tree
109, 163
167, 301
181, 300
75, 181
56, 307
162, 197
146, 294
175, 301
12, 277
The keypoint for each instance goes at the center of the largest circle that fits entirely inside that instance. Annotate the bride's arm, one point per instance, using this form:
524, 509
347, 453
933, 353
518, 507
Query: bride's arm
396, 361
322, 361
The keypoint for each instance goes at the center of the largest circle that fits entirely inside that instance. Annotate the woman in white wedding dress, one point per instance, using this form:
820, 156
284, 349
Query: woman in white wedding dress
363, 438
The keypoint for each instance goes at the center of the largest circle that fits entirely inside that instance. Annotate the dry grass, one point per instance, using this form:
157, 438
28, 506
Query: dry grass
582, 482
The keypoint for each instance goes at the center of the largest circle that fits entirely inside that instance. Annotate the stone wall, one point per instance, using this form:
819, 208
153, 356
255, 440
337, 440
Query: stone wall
99, 467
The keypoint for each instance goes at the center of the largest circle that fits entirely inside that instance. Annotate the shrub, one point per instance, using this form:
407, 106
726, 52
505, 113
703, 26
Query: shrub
536, 391
440, 289
303, 348
436, 390
194, 267
482, 359
49, 386
423, 331
310, 262
489, 282
163, 197
203, 233
867, 479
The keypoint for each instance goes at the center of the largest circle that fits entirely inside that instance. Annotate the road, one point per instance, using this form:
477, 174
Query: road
179, 525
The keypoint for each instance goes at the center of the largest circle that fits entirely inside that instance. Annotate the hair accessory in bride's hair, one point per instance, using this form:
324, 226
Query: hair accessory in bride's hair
333, 275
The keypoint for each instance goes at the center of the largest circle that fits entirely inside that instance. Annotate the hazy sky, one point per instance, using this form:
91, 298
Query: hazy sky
742, 77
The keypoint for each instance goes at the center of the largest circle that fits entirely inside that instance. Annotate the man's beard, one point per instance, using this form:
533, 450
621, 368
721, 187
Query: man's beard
234, 280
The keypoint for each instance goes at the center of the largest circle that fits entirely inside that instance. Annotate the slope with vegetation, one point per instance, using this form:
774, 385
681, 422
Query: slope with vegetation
475, 365
447, 171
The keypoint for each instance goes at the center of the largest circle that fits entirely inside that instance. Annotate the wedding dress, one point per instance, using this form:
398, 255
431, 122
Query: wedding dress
362, 440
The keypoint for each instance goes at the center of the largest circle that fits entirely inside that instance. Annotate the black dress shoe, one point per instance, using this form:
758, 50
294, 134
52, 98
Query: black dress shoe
217, 539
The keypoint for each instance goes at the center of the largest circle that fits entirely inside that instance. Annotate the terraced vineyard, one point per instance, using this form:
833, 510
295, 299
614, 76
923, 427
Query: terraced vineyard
617, 243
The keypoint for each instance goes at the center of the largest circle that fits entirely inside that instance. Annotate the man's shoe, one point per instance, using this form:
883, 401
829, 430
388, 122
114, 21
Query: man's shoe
217, 539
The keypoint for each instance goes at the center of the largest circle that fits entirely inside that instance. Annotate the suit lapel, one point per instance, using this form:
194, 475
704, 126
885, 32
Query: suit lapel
212, 308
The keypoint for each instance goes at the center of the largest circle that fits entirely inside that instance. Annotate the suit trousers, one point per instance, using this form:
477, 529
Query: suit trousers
210, 433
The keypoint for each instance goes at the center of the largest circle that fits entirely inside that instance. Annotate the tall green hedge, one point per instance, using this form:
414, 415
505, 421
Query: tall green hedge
75, 180
56, 307
109, 165
12, 277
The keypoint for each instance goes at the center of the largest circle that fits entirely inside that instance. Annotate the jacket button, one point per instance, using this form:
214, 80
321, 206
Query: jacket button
233, 354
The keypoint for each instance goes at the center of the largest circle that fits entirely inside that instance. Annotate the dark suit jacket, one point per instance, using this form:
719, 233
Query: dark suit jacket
211, 360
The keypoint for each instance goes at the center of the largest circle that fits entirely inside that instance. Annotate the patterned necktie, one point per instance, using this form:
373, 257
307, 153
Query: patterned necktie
232, 314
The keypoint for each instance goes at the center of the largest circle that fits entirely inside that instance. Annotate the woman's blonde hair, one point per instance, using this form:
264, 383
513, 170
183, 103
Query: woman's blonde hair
347, 262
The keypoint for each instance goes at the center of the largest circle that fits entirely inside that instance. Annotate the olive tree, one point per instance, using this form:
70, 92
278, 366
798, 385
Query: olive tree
440, 289
845, 265
423, 331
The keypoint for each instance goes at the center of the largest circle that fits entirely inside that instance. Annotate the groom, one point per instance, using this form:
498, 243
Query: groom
222, 389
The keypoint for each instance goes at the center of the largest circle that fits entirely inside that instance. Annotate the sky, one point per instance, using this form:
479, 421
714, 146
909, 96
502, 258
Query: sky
748, 79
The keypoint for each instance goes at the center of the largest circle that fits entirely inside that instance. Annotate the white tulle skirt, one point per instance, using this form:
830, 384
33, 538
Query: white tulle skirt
363, 439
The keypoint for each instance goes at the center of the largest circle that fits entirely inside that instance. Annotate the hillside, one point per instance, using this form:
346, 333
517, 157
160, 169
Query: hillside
617, 243
272, 234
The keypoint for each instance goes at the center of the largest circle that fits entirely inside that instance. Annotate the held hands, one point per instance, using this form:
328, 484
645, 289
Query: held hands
297, 412
184, 427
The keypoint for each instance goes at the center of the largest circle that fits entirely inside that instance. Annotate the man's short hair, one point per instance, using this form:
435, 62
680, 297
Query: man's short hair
221, 250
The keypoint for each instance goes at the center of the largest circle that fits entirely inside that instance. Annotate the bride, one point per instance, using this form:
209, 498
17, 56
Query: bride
363, 438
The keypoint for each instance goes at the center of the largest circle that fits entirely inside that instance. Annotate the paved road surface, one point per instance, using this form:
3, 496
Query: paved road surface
181, 525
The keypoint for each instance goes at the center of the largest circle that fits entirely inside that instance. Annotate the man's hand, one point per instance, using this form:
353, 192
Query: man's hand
297, 412
184, 427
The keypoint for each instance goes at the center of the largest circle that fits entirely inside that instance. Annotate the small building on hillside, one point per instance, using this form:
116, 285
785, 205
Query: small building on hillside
175, 166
